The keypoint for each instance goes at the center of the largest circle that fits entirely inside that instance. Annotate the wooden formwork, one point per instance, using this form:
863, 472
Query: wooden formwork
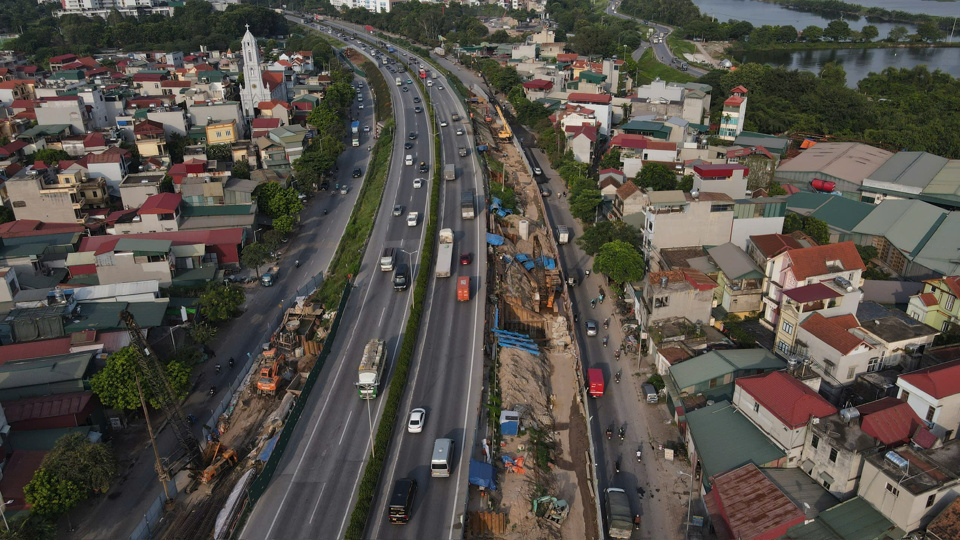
486, 524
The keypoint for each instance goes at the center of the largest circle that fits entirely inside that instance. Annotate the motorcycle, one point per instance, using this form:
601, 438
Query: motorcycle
230, 362
618, 376
617, 354
324, 211
639, 452
191, 419
213, 390
217, 368
297, 264
601, 297
617, 465
587, 272
609, 433
623, 433
636, 521
606, 323
593, 303
605, 340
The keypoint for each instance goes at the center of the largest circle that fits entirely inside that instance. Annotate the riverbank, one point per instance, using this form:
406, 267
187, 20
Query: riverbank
739, 47
836, 9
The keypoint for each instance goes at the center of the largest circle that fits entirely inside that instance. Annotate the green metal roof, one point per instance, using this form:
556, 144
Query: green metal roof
905, 223
592, 77
106, 315
853, 519
939, 252
725, 439
217, 210
42, 439
196, 275
712, 365
141, 245
44, 130
49, 370
838, 212
88, 279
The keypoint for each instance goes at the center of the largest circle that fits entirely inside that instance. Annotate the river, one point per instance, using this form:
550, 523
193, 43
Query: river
857, 62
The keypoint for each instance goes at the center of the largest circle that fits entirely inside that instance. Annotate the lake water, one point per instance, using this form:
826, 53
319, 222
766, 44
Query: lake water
857, 62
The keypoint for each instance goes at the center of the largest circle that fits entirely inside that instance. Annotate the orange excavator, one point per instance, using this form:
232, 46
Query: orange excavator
219, 462
272, 364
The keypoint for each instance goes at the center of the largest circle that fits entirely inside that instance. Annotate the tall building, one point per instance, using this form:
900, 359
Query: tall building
734, 111
254, 90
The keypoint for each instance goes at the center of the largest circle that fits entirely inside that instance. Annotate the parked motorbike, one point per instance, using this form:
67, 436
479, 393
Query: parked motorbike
609, 433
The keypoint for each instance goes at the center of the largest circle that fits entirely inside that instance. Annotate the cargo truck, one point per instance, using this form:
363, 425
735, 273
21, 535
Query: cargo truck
462, 150
355, 131
371, 369
399, 82
270, 276
619, 518
450, 172
463, 288
595, 382
445, 253
386, 259
563, 235
466, 204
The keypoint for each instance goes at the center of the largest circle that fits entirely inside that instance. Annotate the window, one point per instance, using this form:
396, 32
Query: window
756, 407
950, 300
826, 484
783, 347
930, 412
904, 395
945, 327
713, 383
833, 455
893, 489
851, 372
873, 364
931, 499
815, 441
787, 328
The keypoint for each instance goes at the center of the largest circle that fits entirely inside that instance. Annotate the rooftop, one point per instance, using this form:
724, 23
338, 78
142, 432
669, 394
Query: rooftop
35, 408
771, 245
891, 325
734, 262
847, 161
926, 470
834, 332
906, 223
909, 171
937, 381
821, 260
791, 401
939, 251
726, 440
752, 504
837, 211
852, 519
947, 523
812, 293
717, 364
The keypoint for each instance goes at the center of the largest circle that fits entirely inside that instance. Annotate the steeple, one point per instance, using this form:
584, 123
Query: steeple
253, 91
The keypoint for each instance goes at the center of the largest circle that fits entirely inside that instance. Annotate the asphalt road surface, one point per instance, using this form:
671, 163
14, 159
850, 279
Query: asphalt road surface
314, 489
661, 51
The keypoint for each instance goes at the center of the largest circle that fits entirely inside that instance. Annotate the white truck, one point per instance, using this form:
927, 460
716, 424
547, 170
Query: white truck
371, 369
445, 253
563, 235
449, 171
619, 518
399, 82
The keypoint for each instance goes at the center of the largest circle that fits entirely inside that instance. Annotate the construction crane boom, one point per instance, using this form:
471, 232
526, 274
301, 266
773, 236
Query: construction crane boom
505, 132
155, 378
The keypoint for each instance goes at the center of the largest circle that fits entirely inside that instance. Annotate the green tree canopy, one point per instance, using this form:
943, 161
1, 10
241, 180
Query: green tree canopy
50, 156
869, 32
809, 225
656, 177
275, 200
241, 169
897, 33
219, 152
116, 384
220, 302
254, 255
604, 232
584, 203
611, 160
619, 261
812, 33
929, 31
837, 30
52, 495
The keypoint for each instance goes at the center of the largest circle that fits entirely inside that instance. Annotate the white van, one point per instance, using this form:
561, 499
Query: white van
408, 160
649, 393
442, 460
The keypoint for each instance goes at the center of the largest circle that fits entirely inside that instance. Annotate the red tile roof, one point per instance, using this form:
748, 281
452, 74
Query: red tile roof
721, 170
733, 101
32, 227
627, 189
894, 424
833, 333
104, 244
63, 58
94, 140
46, 406
265, 123
937, 381
567, 57
772, 245
612, 171
272, 104
812, 261
674, 355
928, 299
272, 79
9, 85
587, 131
34, 349
953, 283
791, 401
740, 89
597, 99
148, 127
161, 203
538, 84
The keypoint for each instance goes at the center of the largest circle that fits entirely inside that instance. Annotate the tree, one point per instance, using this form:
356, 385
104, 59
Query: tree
6, 214
596, 236
51, 495
775, 190
284, 224
90, 465
812, 33
583, 204
31, 526
897, 33
611, 160
221, 302
619, 261
254, 255
275, 200
686, 183
219, 152
50, 156
176, 146
928, 31
203, 332
656, 177
272, 240
116, 384
837, 30
869, 33
867, 253
809, 225
241, 169
833, 74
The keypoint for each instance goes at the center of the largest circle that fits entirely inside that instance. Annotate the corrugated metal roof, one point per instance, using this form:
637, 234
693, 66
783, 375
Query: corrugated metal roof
941, 252
46, 406
848, 161
52, 369
912, 169
752, 504
716, 364
725, 439
905, 223
855, 518
734, 262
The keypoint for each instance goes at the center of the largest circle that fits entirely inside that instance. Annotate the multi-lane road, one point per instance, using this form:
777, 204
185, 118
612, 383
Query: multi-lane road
660, 50
315, 487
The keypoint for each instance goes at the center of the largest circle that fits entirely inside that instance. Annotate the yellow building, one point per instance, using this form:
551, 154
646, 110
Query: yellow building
222, 132
937, 304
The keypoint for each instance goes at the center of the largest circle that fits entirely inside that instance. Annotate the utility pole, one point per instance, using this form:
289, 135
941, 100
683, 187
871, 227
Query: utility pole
161, 472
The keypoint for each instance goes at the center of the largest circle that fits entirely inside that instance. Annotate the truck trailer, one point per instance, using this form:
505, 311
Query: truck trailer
595, 382
463, 289
619, 519
371, 369
449, 171
466, 204
445, 253
355, 131
563, 235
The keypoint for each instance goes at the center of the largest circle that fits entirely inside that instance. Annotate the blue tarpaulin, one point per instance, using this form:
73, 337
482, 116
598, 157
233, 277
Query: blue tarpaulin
268, 448
494, 239
509, 423
482, 474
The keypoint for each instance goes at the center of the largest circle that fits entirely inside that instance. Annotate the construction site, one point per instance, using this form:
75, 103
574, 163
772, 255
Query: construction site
213, 482
538, 443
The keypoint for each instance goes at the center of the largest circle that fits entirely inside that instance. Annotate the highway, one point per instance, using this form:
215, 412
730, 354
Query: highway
313, 490
661, 51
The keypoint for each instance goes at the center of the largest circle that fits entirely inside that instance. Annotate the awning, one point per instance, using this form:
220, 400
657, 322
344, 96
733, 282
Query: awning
807, 465
824, 477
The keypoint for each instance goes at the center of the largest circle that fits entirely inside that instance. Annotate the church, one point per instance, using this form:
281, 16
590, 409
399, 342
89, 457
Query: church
258, 86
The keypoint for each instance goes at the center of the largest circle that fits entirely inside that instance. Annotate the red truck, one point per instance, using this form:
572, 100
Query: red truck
595, 382
368, 28
463, 288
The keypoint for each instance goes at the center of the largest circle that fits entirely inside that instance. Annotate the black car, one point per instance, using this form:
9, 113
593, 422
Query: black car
407, 145
416, 99
417, 109
401, 500
412, 135
423, 166
357, 173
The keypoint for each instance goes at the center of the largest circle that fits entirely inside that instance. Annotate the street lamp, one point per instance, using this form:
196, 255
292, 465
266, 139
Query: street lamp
689, 500
3, 511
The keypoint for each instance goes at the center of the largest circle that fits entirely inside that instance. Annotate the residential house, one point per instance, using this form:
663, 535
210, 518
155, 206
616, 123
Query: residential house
937, 305
765, 247
582, 141
834, 446
934, 394
15, 89
602, 104
221, 132
900, 339
159, 213
635, 150
744, 504
912, 485
68, 110
137, 188
734, 113
781, 406
628, 204
112, 165
45, 195
756, 216
670, 294
285, 143
740, 280
537, 88
730, 180
674, 219
814, 270
151, 140
54, 411
278, 109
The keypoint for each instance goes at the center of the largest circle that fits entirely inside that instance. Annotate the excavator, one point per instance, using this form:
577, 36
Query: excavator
272, 364
551, 508
219, 462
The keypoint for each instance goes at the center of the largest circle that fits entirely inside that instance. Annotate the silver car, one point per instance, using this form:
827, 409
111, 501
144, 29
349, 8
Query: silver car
591, 327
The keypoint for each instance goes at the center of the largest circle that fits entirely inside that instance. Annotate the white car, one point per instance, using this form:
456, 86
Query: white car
443, 123
418, 183
459, 131
412, 219
366, 129
418, 417
440, 87
360, 106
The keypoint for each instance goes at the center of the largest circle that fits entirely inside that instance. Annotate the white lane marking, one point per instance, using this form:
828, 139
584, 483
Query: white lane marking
344, 432
384, 312
317, 506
